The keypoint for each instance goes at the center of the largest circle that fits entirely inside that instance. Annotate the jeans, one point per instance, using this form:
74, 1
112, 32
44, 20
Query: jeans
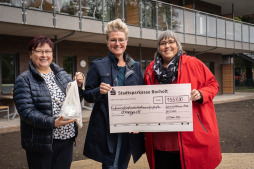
123, 153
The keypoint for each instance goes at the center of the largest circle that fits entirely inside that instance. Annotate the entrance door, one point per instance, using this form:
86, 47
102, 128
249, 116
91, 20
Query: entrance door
228, 78
9, 71
69, 65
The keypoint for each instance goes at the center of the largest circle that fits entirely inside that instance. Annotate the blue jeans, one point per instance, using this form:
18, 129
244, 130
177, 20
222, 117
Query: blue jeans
123, 153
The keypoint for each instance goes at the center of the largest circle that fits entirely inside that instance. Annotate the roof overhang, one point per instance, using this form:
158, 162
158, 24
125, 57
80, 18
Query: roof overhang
80, 36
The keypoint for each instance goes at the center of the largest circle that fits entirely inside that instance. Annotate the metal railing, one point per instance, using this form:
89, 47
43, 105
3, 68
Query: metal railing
144, 14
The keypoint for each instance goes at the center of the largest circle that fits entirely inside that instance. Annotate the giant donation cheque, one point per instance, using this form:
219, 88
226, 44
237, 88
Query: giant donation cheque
150, 108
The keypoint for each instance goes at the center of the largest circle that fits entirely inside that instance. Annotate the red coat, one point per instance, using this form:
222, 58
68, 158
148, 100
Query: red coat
199, 149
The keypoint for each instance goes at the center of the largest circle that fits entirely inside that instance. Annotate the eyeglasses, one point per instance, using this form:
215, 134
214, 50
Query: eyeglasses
40, 52
170, 42
114, 41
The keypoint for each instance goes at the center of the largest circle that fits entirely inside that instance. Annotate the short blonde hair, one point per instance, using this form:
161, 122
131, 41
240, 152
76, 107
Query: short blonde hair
116, 25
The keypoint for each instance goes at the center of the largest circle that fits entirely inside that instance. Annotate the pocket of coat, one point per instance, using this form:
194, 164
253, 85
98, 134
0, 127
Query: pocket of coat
105, 78
201, 122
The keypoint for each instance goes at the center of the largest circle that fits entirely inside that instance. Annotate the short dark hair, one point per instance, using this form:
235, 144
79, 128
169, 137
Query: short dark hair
40, 40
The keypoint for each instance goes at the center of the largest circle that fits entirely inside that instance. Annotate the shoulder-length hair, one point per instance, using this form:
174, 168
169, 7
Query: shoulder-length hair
167, 35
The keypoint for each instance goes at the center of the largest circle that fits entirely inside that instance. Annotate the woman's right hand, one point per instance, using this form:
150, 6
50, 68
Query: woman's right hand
79, 77
61, 122
104, 88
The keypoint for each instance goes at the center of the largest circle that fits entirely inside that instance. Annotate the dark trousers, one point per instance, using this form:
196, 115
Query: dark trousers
123, 153
59, 158
167, 160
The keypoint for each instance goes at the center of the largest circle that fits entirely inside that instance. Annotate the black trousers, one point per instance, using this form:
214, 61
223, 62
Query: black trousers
167, 160
59, 158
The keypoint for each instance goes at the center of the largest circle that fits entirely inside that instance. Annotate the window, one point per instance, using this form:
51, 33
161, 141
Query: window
92, 9
210, 66
69, 65
9, 71
145, 63
90, 60
112, 9
44, 5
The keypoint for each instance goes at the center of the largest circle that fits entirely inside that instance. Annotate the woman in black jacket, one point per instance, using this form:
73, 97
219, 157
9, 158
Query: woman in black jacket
113, 150
38, 94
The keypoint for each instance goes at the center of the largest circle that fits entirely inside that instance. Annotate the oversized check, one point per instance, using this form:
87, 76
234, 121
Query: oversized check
150, 108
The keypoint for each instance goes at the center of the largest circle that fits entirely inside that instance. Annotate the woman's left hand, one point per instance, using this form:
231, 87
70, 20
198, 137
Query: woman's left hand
195, 95
61, 122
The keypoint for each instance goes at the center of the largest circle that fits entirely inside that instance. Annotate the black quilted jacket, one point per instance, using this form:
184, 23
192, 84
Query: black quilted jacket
34, 105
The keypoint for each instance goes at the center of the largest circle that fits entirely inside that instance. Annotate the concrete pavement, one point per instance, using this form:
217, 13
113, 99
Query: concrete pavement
229, 160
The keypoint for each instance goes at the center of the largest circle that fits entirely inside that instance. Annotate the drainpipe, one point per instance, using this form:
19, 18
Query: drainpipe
140, 53
56, 50
123, 17
103, 15
233, 73
233, 11
24, 12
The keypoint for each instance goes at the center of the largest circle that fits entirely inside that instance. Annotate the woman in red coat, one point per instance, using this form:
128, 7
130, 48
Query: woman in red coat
199, 149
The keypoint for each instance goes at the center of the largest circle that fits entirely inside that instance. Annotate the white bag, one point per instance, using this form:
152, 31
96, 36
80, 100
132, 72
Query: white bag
71, 108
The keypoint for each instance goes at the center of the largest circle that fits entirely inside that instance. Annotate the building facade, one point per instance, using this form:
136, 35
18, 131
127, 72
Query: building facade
205, 28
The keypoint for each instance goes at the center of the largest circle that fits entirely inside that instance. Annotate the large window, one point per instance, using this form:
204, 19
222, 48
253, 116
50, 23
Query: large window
91, 9
68, 7
113, 9
177, 19
229, 30
201, 24
91, 59
148, 14
221, 28
44, 5
211, 26
16, 3
145, 63
238, 30
210, 66
69, 65
189, 22
8, 71
245, 31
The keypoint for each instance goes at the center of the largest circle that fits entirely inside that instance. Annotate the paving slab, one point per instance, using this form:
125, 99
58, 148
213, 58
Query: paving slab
229, 161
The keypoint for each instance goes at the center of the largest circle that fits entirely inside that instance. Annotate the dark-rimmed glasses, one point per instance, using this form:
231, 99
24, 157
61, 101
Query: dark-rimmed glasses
40, 52
170, 42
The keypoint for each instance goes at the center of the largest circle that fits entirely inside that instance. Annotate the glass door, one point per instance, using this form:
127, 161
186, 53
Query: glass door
9, 71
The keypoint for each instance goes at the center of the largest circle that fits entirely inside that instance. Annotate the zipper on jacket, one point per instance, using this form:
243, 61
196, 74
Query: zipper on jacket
52, 114
201, 122
149, 77
182, 150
